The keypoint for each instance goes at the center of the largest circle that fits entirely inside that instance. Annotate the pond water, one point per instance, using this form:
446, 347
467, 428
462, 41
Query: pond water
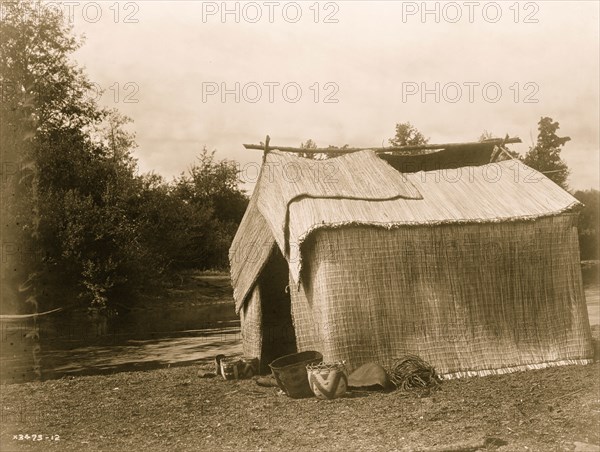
180, 333
78, 343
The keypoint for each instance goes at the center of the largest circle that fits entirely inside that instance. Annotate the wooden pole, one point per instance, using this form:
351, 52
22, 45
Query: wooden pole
413, 150
266, 148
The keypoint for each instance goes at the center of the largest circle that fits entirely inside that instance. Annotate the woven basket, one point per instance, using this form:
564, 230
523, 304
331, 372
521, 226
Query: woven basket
230, 368
248, 367
290, 373
328, 380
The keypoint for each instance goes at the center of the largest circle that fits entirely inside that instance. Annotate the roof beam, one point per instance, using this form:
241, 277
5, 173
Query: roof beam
413, 150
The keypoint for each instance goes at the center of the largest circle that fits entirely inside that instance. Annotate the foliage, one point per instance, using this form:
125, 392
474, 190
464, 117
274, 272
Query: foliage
71, 206
589, 224
43, 112
545, 155
210, 192
82, 221
310, 144
407, 135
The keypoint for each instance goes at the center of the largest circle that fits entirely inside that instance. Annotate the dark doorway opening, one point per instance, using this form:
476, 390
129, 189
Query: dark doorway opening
279, 337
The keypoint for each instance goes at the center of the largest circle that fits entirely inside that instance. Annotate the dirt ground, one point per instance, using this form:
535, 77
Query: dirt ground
175, 409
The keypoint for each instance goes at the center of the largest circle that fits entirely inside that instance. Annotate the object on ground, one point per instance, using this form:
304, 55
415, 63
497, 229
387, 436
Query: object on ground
236, 368
411, 372
248, 367
290, 372
327, 380
267, 381
372, 376
397, 255
230, 368
218, 359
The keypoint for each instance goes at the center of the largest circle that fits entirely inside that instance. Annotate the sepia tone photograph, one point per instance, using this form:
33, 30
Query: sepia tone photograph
300, 225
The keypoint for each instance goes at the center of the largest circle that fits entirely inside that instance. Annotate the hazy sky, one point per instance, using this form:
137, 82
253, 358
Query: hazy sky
495, 66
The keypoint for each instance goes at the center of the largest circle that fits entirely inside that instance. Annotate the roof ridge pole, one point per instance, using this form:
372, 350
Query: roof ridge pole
410, 150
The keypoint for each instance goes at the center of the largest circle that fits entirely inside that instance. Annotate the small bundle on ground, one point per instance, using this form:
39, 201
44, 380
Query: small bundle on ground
411, 372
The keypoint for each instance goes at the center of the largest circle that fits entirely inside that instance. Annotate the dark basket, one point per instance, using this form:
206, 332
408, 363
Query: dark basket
290, 373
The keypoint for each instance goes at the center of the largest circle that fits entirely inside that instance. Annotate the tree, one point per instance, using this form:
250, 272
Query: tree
42, 102
214, 205
214, 184
78, 219
67, 207
310, 144
589, 224
545, 155
407, 135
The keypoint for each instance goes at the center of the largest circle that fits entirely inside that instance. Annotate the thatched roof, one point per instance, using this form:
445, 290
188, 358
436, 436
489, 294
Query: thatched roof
296, 196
